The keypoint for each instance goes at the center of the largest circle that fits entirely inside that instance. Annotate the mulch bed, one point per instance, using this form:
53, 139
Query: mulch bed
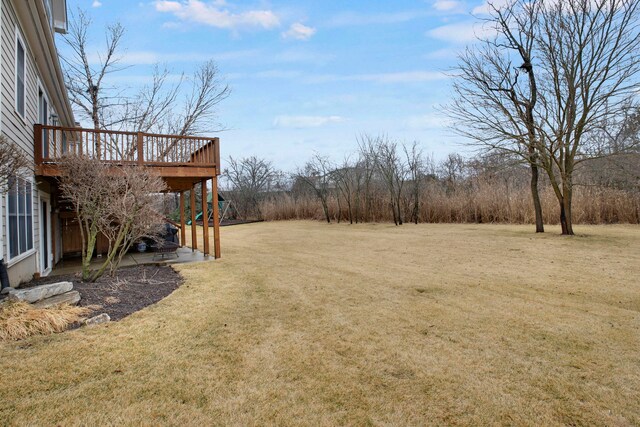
130, 290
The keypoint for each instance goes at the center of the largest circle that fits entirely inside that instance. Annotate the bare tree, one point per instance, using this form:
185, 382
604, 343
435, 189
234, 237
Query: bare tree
150, 108
117, 202
316, 174
367, 164
415, 167
198, 113
249, 177
452, 171
621, 168
588, 52
13, 162
348, 179
83, 184
393, 172
495, 98
185, 107
136, 214
85, 81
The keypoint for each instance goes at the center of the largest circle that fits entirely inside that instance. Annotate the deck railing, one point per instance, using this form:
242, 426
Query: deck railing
53, 142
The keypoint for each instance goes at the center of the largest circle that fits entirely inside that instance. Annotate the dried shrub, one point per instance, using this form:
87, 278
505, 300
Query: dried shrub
20, 320
12, 161
119, 202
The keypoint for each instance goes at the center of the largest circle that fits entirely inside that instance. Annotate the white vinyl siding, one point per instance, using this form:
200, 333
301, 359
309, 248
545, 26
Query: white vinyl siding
17, 129
21, 25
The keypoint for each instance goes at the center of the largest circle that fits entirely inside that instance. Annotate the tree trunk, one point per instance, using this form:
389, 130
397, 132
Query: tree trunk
416, 206
393, 210
537, 205
325, 208
86, 260
565, 211
113, 251
399, 208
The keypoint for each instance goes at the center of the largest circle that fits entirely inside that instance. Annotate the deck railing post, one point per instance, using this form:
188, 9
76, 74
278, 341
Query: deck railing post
37, 149
140, 148
216, 151
216, 217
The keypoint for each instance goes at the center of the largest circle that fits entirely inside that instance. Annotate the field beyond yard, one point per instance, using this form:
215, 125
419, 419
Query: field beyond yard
304, 323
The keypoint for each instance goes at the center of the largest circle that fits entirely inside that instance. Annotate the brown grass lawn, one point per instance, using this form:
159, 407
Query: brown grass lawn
304, 323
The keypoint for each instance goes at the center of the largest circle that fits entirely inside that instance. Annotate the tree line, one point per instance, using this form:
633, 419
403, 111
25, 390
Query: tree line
387, 180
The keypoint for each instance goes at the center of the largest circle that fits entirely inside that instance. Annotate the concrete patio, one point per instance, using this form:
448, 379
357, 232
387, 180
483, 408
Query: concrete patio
184, 255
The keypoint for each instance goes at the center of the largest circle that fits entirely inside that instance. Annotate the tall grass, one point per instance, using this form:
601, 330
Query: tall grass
482, 202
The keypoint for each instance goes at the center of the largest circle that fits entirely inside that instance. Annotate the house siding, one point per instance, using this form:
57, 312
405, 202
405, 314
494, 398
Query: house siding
19, 130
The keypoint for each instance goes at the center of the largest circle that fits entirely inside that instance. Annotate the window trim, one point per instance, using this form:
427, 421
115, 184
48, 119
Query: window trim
19, 39
48, 7
50, 109
47, 116
9, 261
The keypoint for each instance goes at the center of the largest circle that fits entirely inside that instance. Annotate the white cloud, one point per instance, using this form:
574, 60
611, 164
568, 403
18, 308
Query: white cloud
447, 5
346, 19
427, 121
277, 74
214, 14
446, 53
96, 3
168, 6
299, 31
383, 78
485, 8
401, 77
301, 122
147, 57
462, 32
301, 56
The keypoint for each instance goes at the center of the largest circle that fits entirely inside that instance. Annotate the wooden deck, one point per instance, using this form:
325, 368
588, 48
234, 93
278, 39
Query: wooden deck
182, 161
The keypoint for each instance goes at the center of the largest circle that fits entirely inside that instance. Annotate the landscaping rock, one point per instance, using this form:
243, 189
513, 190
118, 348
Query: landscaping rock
71, 298
96, 320
38, 293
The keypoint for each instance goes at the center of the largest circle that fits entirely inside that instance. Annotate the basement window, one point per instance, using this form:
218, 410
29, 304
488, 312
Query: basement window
20, 217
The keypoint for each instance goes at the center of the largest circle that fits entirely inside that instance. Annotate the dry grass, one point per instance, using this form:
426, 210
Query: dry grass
304, 323
20, 320
485, 202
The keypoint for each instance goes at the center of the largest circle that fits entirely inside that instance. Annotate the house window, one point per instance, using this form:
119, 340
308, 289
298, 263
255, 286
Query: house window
20, 217
20, 79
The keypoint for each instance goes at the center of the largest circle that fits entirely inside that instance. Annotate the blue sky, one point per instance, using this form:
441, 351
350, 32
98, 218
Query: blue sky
305, 76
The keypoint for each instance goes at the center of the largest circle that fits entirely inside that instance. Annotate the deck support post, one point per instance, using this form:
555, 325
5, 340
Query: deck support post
205, 218
216, 217
37, 136
194, 235
183, 224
